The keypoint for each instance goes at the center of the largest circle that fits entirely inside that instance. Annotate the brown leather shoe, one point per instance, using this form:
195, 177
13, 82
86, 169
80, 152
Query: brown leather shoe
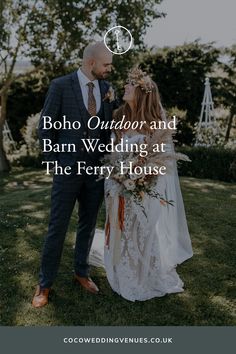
87, 284
40, 298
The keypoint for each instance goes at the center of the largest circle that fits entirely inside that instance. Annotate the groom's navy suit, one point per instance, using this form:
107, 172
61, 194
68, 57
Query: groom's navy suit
65, 98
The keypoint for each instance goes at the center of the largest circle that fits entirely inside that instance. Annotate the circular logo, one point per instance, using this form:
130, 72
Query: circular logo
118, 40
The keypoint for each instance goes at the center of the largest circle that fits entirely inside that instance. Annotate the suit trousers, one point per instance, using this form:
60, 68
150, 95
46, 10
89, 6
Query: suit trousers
66, 190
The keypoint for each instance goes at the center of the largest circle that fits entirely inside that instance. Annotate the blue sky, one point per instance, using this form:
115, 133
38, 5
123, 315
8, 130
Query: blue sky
187, 20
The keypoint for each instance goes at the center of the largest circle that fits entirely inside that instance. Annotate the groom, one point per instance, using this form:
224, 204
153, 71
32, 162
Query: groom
78, 96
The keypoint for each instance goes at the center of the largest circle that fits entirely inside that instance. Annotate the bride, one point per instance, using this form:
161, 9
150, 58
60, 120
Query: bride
140, 257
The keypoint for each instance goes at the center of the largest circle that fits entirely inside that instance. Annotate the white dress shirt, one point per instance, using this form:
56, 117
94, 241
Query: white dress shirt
83, 80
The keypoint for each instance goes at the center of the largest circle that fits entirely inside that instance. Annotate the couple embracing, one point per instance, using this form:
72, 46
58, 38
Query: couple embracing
140, 257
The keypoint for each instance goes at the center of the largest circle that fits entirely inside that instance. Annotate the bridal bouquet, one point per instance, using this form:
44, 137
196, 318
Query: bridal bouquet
137, 175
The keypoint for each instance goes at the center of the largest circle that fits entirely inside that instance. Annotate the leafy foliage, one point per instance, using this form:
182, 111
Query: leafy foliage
209, 162
58, 31
227, 88
180, 74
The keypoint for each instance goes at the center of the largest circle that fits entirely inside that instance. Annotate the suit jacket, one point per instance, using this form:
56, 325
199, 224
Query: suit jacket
64, 97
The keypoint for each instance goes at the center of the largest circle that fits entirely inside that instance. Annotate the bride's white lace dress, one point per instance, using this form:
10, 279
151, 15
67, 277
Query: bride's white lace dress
150, 246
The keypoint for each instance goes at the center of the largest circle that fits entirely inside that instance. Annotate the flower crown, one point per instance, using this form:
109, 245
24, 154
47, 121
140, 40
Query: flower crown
137, 77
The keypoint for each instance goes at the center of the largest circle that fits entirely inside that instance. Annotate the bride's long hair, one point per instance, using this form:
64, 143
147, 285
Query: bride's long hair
147, 108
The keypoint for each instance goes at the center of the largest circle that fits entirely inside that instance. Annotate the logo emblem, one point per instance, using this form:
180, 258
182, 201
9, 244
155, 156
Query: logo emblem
118, 40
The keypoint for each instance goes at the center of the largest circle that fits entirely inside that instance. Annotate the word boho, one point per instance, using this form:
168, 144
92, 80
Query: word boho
95, 122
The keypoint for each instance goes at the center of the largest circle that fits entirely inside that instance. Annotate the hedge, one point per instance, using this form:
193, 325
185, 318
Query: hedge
209, 162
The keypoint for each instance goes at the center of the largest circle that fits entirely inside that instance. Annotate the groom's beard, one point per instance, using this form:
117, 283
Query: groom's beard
100, 76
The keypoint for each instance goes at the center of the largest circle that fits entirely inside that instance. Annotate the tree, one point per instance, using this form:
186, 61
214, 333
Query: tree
227, 87
52, 34
180, 74
9, 53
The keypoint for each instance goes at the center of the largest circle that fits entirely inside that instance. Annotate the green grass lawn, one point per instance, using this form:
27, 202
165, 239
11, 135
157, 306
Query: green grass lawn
209, 277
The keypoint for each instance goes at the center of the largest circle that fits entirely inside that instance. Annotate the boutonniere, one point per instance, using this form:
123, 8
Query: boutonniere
110, 95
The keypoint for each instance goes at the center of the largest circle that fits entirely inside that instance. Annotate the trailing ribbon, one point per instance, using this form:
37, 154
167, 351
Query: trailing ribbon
121, 212
107, 233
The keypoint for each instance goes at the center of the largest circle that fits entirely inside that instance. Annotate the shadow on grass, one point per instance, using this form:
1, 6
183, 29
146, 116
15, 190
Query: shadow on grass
209, 276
